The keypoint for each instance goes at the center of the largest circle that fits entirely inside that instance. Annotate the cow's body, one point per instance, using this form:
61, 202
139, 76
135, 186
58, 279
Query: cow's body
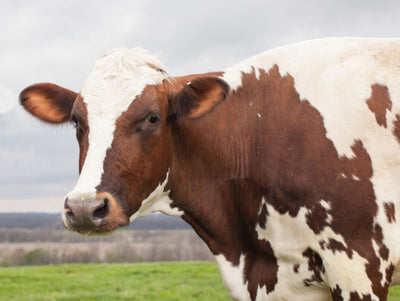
292, 181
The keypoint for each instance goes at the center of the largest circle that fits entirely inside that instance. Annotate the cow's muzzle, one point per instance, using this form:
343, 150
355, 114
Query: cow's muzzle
91, 214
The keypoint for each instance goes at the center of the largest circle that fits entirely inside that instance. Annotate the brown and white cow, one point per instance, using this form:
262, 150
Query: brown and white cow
286, 165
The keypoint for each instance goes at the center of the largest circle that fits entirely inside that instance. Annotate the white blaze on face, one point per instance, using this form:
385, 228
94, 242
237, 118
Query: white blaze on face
116, 80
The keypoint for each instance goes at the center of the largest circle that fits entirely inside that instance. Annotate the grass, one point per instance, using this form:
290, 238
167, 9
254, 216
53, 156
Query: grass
187, 281
394, 293
144, 281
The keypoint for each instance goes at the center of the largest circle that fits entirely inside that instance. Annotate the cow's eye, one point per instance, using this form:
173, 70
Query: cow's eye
153, 118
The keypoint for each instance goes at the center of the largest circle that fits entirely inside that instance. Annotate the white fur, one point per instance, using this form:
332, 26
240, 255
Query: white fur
289, 238
116, 80
157, 201
327, 208
233, 277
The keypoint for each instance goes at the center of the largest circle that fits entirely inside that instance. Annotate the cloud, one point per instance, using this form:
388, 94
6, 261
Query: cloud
7, 100
58, 41
46, 204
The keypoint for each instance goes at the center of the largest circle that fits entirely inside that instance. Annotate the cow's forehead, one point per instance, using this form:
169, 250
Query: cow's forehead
118, 78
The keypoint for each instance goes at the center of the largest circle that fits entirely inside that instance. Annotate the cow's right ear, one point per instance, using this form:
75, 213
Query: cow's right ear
48, 102
197, 97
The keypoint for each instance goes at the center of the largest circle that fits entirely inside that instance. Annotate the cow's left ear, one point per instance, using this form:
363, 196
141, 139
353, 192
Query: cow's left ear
48, 102
198, 97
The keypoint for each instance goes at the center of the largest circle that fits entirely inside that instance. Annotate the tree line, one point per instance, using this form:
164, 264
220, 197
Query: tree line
52, 220
51, 246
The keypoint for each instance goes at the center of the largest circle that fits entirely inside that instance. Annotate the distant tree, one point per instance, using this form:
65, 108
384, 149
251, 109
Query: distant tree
14, 258
36, 257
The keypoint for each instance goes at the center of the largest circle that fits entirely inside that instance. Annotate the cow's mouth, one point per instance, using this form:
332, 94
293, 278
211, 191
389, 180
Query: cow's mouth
94, 214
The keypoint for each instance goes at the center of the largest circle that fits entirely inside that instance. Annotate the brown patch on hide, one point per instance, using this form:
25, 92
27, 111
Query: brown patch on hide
390, 211
379, 102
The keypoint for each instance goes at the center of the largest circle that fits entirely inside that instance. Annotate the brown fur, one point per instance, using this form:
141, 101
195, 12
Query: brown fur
49, 102
379, 102
390, 211
79, 117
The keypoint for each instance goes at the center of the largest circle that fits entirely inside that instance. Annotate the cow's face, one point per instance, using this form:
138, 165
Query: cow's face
122, 117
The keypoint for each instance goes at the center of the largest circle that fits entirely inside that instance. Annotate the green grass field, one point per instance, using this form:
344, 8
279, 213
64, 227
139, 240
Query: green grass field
145, 281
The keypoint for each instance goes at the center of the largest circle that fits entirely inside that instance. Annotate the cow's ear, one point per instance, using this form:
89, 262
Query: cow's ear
48, 102
198, 97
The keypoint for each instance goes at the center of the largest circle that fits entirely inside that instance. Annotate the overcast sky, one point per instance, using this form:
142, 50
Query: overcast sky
58, 41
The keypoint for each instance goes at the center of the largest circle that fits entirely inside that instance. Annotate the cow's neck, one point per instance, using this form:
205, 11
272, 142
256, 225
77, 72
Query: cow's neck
224, 210
218, 179
208, 183
209, 207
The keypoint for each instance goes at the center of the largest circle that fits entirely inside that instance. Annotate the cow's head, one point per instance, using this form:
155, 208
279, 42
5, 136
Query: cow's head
122, 117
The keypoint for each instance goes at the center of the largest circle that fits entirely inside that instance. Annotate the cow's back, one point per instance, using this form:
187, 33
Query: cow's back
351, 84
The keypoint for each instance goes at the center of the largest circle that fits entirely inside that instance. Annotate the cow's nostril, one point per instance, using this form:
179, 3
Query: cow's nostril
68, 212
69, 215
101, 212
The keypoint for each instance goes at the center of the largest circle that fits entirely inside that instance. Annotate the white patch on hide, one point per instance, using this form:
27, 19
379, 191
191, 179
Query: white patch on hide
233, 277
327, 208
157, 201
289, 238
